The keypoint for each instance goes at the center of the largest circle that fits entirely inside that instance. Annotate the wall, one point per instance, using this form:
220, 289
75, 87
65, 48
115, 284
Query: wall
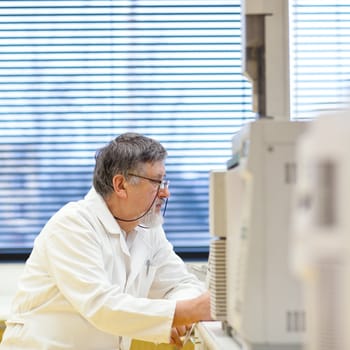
9, 274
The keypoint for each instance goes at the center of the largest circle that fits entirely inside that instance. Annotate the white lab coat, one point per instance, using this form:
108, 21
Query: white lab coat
85, 287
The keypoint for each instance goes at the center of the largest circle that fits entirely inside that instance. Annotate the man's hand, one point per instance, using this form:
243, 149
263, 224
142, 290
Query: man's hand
177, 334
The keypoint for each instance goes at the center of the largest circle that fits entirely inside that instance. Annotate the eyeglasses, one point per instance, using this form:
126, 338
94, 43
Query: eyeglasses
163, 184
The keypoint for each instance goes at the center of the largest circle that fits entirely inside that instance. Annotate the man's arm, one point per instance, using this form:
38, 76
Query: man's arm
192, 310
188, 312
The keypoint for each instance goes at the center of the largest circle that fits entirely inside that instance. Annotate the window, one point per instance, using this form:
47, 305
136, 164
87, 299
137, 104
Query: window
74, 74
320, 55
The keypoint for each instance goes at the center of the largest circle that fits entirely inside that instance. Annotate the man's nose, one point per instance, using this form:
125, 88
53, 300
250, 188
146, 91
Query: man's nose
164, 192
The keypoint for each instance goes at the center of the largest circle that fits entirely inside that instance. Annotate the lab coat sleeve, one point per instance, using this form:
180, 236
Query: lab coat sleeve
76, 263
172, 280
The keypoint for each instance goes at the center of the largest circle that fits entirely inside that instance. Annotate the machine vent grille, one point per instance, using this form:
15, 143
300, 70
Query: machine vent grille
217, 278
326, 192
290, 173
295, 321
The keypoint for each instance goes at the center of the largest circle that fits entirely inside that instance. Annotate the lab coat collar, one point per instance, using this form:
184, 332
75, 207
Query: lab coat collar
100, 209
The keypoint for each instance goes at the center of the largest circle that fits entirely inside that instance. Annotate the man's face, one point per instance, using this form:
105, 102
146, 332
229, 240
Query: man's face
149, 196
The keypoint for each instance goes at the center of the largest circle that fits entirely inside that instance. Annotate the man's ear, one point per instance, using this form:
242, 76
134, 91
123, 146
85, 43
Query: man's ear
119, 186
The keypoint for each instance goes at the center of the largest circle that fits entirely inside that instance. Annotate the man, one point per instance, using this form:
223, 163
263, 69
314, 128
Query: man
102, 271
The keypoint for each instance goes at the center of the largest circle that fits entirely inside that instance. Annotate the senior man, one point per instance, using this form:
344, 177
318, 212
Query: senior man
101, 271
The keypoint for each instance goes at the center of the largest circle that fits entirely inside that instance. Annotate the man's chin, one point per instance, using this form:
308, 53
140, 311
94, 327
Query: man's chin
152, 221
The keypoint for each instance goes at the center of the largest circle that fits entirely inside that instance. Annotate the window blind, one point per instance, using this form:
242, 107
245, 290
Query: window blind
75, 74
320, 55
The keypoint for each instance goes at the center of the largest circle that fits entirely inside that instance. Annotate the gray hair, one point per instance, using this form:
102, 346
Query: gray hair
126, 153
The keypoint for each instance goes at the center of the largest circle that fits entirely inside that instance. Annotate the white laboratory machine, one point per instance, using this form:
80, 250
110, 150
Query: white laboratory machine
264, 305
321, 230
